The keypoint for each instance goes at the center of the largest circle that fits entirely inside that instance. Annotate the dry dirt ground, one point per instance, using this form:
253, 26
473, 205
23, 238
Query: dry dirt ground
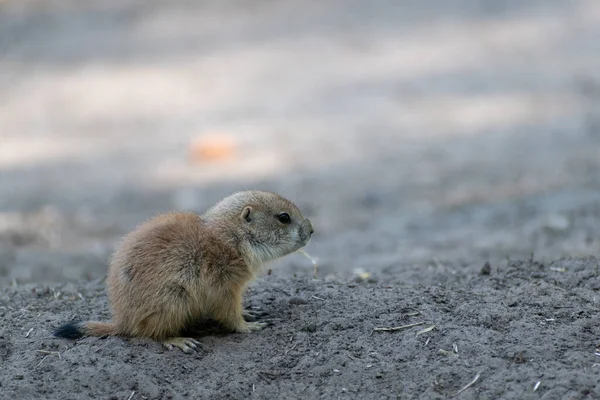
423, 138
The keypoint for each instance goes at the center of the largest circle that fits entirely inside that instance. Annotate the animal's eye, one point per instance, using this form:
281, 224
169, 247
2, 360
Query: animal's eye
284, 218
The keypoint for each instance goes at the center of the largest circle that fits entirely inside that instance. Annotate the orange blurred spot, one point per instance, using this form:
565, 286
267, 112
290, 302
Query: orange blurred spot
209, 149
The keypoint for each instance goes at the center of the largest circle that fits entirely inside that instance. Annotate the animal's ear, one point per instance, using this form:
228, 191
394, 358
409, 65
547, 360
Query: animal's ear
246, 214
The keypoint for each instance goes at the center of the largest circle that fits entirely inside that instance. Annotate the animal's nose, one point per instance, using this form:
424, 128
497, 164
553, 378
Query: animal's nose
310, 227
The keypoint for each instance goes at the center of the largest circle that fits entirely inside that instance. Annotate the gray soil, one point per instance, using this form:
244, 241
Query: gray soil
423, 138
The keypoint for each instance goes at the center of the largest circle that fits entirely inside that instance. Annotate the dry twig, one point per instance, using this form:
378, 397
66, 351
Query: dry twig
425, 330
312, 260
47, 354
294, 345
397, 328
468, 385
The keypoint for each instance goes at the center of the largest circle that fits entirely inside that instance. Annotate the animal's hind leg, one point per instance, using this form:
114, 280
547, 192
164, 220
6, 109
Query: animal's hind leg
164, 327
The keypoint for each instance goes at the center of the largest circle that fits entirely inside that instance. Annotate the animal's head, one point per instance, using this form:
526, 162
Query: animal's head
269, 225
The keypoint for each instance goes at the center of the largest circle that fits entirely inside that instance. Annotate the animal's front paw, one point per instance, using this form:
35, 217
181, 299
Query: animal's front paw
253, 315
187, 345
247, 327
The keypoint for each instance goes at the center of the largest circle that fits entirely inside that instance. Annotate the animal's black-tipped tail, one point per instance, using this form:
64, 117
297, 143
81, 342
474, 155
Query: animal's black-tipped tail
75, 330
72, 330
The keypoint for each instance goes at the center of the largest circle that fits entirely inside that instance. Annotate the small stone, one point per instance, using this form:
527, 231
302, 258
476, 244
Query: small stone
310, 328
379, 375
298, 301
486, 269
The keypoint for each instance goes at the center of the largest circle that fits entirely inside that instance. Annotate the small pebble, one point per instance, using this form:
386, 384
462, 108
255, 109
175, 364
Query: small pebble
486, 269
298, 300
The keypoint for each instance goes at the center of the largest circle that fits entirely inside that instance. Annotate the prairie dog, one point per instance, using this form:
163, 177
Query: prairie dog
180, 267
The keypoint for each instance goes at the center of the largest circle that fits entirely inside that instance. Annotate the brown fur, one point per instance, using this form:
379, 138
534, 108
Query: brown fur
180, 267
93, 328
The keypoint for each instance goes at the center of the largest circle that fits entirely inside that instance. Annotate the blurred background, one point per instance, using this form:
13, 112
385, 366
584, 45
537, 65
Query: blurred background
417, 134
